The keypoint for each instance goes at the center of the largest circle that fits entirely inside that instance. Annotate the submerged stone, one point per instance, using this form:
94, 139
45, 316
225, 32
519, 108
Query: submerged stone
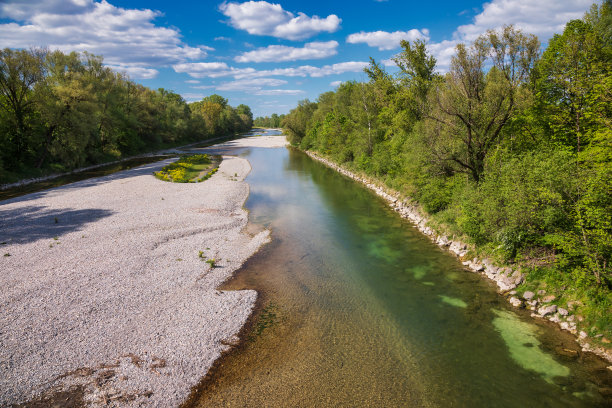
419, 271
453, 301
516, 334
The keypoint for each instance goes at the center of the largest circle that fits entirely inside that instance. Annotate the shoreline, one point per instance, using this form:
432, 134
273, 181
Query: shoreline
160, 153
504, 277
132, 316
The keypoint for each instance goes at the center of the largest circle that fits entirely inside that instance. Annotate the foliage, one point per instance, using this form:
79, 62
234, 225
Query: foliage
60, 111
185, 169
272, 121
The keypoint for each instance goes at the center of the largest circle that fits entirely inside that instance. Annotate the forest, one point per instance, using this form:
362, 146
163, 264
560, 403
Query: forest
272, 121
61, 111
510, 149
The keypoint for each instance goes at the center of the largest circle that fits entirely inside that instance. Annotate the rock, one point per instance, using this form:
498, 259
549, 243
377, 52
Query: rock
478, 267
562, 311
570, 318
489, 267
541, 292
505, 283
548, 299
518, 278
546, 310
566, 352
516, 302
554, 318
528, 295
513, 292
532, 304
582, 335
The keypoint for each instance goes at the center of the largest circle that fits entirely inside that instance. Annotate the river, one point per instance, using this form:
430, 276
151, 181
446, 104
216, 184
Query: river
357, 308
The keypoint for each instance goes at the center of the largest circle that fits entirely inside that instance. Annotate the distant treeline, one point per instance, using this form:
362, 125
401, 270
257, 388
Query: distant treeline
60, 111
510, 149
272, 121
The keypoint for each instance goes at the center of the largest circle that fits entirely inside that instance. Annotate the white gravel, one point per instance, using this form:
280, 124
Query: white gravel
104, 286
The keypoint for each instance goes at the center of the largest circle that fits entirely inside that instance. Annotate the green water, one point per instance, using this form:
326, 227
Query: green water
359, 309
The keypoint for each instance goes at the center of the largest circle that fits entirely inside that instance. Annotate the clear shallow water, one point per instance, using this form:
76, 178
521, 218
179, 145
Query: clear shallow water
359, 309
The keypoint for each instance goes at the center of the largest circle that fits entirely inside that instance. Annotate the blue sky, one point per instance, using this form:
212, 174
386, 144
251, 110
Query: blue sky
267, 55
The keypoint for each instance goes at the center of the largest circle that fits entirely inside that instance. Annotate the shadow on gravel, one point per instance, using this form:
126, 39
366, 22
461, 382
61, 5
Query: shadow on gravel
29, 224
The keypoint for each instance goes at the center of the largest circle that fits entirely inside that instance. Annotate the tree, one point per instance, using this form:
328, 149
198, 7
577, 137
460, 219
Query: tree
297, 121
417, 75
20, 70
472, 106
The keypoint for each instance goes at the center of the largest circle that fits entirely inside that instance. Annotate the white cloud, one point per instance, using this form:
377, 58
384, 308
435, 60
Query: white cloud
250, 85
135, 71
542, 18
335, 83
385, 40
221, 69
263, 18
192, 81
208, 69
127, 38
277, 53
279, 92
192, 97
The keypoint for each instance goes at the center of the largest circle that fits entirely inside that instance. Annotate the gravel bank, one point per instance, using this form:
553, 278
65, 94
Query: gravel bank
104, 287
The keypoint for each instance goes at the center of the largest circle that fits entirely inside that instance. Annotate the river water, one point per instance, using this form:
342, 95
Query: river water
357, 308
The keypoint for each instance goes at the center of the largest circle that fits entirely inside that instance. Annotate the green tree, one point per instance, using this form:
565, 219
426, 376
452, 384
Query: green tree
20, 71
472, 106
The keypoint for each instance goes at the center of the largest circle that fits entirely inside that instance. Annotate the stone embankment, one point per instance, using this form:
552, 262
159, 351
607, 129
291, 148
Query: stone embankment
506, 278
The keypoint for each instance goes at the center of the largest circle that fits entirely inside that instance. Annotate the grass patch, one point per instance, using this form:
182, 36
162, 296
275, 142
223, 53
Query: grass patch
189, 169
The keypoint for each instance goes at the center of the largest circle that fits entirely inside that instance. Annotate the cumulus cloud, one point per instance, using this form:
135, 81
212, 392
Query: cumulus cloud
135, 71
385, 40
263, 18
335, 83
542, 18
250, 85
279, 92
221, 69
127, 38
207, 69
278, 53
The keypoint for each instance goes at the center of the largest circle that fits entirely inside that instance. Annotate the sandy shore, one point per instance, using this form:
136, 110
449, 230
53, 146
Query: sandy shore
105, 290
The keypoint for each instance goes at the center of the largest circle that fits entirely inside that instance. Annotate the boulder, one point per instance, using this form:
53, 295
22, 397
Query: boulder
546, 310
516, 302
505, 283
528, 295
562, 311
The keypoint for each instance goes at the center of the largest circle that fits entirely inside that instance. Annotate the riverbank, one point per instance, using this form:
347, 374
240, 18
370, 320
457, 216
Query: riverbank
159, 153
507, 279
108, 297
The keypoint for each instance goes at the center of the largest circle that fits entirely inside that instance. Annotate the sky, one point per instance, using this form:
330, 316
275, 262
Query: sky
268, 55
